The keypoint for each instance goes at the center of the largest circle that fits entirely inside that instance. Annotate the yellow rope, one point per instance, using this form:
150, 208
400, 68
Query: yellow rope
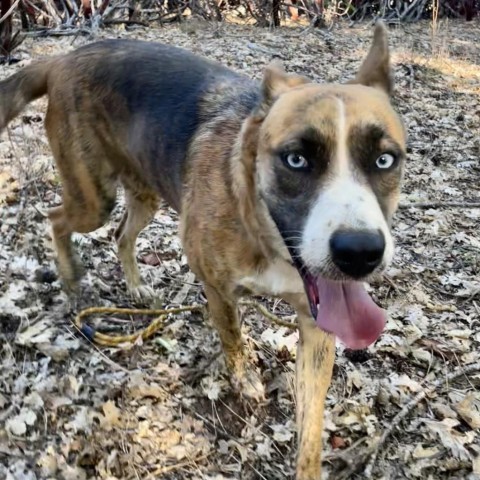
155, 325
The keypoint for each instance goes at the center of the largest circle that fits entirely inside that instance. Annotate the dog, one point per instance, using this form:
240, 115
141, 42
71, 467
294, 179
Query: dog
284, 187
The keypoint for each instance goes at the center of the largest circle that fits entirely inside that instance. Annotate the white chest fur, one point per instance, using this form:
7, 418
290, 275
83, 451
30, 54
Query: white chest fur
277, 279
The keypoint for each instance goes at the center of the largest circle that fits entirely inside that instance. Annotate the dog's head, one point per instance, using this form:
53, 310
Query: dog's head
328, 166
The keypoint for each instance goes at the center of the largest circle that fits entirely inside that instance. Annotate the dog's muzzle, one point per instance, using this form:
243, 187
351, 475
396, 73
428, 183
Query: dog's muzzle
343, 307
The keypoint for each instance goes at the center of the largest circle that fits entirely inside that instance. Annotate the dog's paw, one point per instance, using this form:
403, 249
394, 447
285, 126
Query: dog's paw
70, 271
249, 385
245, 377
142, 293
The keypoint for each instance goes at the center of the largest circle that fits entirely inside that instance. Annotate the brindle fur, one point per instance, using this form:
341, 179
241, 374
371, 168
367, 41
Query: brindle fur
130, 112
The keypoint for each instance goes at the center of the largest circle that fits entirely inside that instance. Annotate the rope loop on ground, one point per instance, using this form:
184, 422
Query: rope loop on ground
108, 340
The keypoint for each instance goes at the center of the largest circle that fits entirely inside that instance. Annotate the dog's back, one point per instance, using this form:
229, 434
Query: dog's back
150, 96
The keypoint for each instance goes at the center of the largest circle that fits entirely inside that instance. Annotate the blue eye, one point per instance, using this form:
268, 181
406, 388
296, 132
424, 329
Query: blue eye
295, 161
385, 161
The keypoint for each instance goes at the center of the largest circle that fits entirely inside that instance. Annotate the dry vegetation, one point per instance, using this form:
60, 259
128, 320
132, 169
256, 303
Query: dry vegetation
164, 409
73, 17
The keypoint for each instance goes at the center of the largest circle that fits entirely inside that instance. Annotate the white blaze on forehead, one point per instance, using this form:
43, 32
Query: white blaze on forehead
340, 163
346, 201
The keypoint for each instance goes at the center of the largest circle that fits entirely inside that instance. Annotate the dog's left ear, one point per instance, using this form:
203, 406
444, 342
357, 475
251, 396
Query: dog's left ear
375, 69
277, 81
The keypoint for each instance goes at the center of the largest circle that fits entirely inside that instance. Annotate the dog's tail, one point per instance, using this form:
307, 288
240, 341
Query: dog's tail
21, 88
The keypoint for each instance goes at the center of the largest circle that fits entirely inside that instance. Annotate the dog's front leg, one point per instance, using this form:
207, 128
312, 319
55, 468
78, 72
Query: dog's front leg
224, 316
315, 358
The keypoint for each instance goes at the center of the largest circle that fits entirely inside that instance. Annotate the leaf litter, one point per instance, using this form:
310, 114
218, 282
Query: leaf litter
164, 409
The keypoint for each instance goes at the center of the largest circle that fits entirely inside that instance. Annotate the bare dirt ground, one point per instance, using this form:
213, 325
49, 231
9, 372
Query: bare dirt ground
164, 409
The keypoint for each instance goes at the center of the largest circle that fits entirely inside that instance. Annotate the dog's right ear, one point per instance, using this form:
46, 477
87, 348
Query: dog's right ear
275, 82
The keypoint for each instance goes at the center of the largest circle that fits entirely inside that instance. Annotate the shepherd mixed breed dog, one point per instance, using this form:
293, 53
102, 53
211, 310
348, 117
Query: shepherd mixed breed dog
284, 187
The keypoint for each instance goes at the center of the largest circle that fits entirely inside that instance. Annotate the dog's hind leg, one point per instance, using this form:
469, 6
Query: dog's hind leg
315, 358
89, 189
80, 215
68, 264
140, 209
83, 213
224, 316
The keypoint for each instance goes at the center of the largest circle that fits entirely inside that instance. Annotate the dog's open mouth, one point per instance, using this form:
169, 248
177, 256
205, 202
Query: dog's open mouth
344, 309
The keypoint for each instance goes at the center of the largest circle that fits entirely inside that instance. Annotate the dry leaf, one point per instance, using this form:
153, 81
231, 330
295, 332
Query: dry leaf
283, 433
112, 415
212, 388
82, 421
18, 424
280, 338
449, 437
337, 442
476, 465
139, 388
48, 463
420, 452
151, 259
40, 332
469, 409
264, 448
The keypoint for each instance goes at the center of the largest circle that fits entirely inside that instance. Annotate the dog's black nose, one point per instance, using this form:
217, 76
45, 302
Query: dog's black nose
357, 253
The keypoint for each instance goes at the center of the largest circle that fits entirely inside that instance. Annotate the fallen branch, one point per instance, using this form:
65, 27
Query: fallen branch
407, 409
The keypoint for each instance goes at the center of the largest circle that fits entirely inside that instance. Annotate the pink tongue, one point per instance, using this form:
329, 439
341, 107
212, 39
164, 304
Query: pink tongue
347, 311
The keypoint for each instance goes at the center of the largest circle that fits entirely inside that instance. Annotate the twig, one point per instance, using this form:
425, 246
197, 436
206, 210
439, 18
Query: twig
273, 318
125, 22
373, 453
58, 33
440, 205
177, 466
9, 11
42, 12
